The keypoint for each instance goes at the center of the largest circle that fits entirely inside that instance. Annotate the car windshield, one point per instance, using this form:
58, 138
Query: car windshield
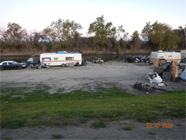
14, 62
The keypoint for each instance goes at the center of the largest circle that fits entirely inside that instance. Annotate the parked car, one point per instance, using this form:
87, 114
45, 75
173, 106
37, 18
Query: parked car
24, 65
10, 65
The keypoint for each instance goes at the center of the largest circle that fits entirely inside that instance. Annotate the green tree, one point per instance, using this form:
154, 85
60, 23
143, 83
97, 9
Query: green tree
161, 35
147, 31
102, 31
61, 30
13, 37
14, 32
121, 37
135, 42
49, 34
181, 32
70, 29
171, 39
121, 33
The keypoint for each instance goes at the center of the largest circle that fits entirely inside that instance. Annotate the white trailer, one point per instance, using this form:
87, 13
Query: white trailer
169, 56
61, 58
183, 54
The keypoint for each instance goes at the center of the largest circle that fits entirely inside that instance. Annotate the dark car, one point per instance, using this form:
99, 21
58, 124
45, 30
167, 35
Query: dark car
24, 65
10, 65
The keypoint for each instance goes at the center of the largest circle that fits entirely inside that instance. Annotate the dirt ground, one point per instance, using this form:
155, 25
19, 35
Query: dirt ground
112, 131
109, 74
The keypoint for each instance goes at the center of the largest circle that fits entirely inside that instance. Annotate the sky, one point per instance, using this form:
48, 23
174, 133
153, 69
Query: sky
35, 15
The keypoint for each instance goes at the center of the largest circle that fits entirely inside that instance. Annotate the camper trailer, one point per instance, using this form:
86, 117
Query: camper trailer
183, 54
169, 56
61, 58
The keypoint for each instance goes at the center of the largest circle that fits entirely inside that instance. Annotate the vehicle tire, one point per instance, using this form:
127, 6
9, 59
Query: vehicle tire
76, 64
1, 68
63, 65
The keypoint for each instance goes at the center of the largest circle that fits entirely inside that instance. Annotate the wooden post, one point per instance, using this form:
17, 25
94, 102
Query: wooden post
155, 63
174, 71
161, 62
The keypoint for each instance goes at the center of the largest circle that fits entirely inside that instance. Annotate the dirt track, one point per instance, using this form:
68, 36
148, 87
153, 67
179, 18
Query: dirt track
122, 75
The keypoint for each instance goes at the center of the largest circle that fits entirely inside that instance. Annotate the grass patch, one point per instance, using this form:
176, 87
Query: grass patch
14, 123
38, 107
179, 124
57, 136
151, 133
8, 139
127, 128
99, 124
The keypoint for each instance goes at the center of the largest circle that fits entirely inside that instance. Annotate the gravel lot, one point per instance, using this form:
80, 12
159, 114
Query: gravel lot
122, 75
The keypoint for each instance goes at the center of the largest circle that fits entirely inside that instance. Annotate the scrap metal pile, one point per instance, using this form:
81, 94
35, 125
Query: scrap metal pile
146, 88
163, 72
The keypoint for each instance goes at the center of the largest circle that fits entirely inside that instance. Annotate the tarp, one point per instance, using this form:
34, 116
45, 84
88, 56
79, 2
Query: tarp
183, 75
31, 60
62, 52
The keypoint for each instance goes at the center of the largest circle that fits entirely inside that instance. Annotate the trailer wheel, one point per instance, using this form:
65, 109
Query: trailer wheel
63, 65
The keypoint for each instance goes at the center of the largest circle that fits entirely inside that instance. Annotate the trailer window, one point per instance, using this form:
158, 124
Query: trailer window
170, 56
46, 59
55, 58
69, 58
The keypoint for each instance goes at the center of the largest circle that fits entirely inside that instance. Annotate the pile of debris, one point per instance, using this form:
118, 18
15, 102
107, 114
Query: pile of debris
146, 88
168, 71
97, 60
138, 59
163, 72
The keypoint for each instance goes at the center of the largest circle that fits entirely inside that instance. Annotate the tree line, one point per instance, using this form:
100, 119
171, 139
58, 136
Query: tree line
104, 37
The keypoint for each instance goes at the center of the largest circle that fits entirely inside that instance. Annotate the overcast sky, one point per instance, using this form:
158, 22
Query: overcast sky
133, 14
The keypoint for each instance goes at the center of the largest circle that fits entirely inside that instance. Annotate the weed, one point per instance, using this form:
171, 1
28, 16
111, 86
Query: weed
127, 128
14, 124
151, 133
60, 90
57, 136
175, 113
179, 124
146, 118
99, 124
8, 138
